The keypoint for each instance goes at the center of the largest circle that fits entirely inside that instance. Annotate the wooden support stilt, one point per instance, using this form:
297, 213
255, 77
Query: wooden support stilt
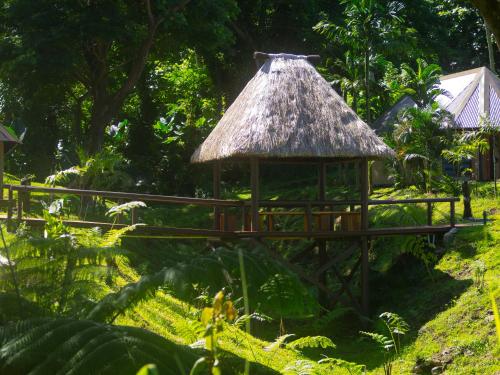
216, 193
322, 277
365, 267
322, 253
301, 254
337, 260
347, 280
254, 185
298, 270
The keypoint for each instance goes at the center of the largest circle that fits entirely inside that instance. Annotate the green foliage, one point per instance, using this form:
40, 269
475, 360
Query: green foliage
419, 139
479, 273
62, 272
213, 319
114, 304
124, 208
391, 346
65, 346
148, 370
421, 84
370, 27
311, 342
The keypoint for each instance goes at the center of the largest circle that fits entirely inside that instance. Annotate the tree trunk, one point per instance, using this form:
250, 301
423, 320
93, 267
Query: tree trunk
490, 10
491, 53
106, 104
367, 85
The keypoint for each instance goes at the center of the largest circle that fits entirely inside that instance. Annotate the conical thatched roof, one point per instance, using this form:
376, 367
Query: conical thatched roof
289, 110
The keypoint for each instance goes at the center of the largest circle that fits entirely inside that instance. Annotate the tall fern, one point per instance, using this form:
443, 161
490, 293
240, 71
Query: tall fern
70, 347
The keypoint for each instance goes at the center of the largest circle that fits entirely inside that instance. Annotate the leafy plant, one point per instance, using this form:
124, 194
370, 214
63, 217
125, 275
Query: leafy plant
65, 273
419, 138
389, 345
479, 273
213, 318
311, 342
124, 208
68, 346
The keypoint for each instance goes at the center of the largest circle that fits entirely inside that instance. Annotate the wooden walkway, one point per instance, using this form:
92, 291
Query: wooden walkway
321, 219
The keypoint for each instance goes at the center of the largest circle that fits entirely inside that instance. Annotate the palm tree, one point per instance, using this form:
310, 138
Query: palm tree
421, 84
367, 23
420, 138
349, 78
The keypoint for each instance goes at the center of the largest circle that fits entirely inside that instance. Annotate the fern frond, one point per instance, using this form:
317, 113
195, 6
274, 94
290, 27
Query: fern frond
311, 342
278, 343
112, 237
130, 295
124, 208
383, 341
64, 346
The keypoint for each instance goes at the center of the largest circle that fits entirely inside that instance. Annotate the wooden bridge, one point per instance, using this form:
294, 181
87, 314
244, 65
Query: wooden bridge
319, 222
231, 219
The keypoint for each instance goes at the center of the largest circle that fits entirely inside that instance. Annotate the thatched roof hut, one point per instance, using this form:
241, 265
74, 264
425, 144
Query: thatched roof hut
288, 110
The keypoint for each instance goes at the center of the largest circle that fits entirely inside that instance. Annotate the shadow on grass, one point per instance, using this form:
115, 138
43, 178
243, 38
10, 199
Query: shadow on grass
408, 290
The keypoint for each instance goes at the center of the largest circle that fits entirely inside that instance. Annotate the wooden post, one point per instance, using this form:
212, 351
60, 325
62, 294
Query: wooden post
133, 216
2, 157
19, 205
26, 195
365, 267
11, 202
429, 213
226, 219
322, 181
254, 186
309, 219
216, 192
322, 253
452, 213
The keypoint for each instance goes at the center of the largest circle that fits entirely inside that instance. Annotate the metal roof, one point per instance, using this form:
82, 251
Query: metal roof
469, 96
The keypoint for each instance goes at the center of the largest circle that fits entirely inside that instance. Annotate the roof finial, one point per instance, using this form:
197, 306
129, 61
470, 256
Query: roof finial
261, 57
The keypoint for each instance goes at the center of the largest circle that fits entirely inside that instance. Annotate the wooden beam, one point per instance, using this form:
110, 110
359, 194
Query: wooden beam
298, 270
338, 259
345, 287
254, 187
132, 196
302, 253
347, 280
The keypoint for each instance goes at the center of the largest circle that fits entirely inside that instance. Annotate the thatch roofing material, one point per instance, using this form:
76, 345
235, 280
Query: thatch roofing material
289, 110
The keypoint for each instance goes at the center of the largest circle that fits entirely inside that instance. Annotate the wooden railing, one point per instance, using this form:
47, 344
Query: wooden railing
318, 216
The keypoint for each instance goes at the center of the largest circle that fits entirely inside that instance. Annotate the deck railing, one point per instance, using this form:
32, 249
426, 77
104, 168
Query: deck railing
318, 216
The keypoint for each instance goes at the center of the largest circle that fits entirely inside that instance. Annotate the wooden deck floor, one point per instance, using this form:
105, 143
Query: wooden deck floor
171, 232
